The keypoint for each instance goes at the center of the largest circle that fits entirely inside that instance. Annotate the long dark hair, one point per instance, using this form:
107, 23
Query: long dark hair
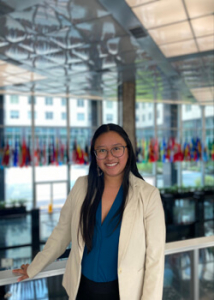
96, 184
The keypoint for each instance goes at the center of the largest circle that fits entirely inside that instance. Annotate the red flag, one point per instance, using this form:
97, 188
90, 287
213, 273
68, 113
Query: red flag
24, 154
6, 156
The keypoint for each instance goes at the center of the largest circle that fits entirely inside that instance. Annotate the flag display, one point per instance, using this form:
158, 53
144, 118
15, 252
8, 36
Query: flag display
55, 152
51, 152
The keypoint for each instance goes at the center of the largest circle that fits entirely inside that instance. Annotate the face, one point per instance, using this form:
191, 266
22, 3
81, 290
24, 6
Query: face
111, 166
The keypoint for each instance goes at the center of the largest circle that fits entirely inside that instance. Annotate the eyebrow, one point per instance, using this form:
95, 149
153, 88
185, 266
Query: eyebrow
101, 146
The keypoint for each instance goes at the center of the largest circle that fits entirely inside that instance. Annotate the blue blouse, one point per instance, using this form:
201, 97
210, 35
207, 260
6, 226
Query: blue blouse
100, 265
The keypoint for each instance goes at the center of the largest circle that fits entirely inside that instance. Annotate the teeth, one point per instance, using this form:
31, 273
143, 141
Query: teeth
111, 165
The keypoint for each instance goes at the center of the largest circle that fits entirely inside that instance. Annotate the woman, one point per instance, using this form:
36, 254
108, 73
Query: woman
115, 221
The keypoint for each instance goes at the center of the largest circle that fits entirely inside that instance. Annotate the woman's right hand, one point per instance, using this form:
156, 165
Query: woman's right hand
21, 272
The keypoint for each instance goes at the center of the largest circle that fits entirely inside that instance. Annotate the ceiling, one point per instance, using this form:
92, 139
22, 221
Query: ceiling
87, 48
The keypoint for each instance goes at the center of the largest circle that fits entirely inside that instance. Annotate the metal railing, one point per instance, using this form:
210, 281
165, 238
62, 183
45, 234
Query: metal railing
193, 245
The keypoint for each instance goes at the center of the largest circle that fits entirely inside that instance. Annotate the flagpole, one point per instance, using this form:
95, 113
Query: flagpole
32, 97
68, 142
180, 135
203, 138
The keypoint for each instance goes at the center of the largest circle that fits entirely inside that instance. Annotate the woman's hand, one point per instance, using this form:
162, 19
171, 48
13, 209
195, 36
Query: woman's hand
21, 272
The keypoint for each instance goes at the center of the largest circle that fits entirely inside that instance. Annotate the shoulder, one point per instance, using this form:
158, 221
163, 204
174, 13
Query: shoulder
141, 185
143, 191
81, 180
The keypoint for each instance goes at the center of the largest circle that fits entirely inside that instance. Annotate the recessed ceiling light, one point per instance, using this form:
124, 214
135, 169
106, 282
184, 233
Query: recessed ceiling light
197, 8
180, 48
172, 33
160, 13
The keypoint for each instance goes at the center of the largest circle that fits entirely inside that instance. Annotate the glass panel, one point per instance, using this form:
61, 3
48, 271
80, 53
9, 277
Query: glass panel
39, 289
177, 277
206, 273
15, 230
16, 140
19, 256
47, 224
110, 112
50, 153
191, 133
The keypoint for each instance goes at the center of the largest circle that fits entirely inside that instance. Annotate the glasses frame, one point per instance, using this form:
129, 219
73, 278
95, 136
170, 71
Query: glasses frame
95, 152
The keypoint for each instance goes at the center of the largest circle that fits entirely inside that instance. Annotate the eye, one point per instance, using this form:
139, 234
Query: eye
116, 149
101, 151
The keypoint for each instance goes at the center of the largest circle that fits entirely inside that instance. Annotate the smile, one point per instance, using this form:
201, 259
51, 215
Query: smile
111, 165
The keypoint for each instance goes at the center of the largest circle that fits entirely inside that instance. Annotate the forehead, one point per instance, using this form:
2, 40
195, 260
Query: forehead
109, 139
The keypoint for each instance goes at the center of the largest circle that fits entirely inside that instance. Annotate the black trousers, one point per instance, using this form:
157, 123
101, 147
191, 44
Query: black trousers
90, 290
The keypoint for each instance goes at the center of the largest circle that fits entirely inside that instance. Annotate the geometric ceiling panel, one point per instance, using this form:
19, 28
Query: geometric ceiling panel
203, 26
198, 8
82, 47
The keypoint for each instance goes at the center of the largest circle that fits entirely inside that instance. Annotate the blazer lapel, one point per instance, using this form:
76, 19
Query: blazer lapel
127, 220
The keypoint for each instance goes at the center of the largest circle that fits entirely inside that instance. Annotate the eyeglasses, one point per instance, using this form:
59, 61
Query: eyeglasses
116, 151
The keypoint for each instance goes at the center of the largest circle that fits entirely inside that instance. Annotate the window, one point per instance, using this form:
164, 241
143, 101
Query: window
143, 105
188, 107
158, 114
150, 104
80, 103
14, 99
137, 118
48, 115
29, 100
48, 101
63, 102
150, 116
144, 118
63, 116
80, 117
14, 114
109, 117
136, 105
29, 115
109, 104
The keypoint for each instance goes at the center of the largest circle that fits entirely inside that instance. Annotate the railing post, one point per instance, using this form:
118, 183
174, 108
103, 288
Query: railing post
35, 234
194, 256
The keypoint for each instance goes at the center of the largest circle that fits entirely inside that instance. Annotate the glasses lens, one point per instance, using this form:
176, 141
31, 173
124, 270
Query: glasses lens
117, 151
101, 153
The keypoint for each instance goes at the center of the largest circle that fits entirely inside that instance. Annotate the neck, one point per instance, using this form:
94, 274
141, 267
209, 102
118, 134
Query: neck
113, 182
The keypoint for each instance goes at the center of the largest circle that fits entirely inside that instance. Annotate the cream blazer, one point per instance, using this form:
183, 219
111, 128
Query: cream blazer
141, 243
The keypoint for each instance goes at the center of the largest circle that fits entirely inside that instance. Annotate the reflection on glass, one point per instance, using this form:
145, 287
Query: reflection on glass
206, 273
177, 277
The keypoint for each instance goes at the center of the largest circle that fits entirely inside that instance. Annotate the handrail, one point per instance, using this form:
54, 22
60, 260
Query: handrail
58, 267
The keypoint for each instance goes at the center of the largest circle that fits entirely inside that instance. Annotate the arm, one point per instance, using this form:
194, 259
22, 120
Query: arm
56, 243
155, 245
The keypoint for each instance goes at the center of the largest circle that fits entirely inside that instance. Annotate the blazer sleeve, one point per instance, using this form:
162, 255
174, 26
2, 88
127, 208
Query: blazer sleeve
59, 238
155, 246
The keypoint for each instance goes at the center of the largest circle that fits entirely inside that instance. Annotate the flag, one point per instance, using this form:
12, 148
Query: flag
1, 153
28, 155
6, 156
86, 155
16, 154
145, 152
153, 150
178, 154
79, 155
57, 153
205, 154
186, 152
24, 154
66, 154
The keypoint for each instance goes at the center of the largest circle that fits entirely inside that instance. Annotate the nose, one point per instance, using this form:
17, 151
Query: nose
109, 155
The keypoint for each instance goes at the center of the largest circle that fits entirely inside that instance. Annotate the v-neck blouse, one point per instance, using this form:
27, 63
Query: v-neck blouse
100, 265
